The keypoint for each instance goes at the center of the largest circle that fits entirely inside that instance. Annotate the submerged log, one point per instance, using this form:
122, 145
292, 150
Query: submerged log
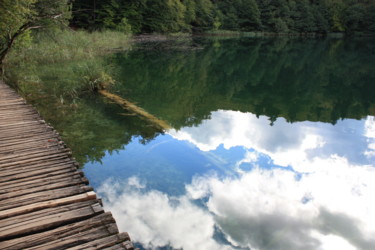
135, 109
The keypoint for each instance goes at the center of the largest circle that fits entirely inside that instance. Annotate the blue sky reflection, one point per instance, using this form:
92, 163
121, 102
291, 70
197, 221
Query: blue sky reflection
304, 185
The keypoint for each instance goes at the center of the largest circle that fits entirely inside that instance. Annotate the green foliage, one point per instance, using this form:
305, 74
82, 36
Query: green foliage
17, 17
124, 26
280, 16
164, 16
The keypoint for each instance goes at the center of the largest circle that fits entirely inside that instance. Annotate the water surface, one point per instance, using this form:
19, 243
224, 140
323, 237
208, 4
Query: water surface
272, 144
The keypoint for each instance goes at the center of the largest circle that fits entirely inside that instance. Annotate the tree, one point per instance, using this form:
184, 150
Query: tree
336, 10
354, 16
14, 20
304, 19
20, 16
164, 16
249, 15
204, 14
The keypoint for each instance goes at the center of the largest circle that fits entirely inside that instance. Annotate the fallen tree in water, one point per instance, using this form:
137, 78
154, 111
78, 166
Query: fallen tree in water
135, 109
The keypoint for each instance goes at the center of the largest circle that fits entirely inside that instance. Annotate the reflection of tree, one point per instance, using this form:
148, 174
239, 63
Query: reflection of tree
311, 80
93, 127
316, 80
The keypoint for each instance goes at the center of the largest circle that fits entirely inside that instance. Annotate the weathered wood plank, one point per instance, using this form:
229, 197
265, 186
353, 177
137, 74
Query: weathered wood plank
38, 174
105, 242
128, 245
45, 202
80, 238
15, 141
7, 171
28, 199
34, 153
48, 221
58, 233
36, 183
57, 155
48, 211
32, 148
47, 185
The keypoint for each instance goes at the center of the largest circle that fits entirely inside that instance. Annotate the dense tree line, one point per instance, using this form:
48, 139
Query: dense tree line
166, 16
281, 16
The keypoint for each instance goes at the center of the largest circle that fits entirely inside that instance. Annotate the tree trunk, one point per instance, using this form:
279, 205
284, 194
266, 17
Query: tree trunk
10, 41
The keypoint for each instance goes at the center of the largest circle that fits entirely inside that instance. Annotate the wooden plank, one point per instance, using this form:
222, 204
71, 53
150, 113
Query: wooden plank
47, 204
80, 238
48, 211
26, 136
58, 233
28, 199
29, 177
32, 148
48, 221
24, 141
58, 155
34, 153
25, 133
21, 129
8, 171
50, 185
25, 123
128, 245
105, 242
28, 184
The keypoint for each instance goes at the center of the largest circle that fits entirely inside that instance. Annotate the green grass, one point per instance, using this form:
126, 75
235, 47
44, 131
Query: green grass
66, 45
63, 64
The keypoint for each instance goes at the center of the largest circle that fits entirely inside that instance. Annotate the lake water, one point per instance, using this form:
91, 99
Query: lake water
271, 146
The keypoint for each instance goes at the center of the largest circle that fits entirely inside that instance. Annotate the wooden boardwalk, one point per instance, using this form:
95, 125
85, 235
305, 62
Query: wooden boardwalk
45, 202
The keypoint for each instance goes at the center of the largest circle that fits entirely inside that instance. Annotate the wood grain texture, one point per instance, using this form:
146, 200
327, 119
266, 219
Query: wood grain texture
45, 202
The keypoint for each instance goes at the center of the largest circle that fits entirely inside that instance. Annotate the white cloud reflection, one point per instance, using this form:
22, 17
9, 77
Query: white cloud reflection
156, 220
287, 144
327, 202
370, 134
272, 209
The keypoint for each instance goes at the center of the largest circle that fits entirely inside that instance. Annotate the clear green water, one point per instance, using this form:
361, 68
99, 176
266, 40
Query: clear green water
272, 143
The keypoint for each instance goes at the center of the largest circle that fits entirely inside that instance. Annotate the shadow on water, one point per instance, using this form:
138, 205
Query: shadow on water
300, 80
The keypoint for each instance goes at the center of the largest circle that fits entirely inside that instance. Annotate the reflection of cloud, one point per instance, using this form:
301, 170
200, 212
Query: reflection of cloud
156, 220
135, 182
370, 127
295, 144
328, 203
370, 134
287, 144
272, 209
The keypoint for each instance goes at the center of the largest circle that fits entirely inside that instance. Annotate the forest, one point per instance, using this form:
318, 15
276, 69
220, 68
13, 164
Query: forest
278, 16
316, 17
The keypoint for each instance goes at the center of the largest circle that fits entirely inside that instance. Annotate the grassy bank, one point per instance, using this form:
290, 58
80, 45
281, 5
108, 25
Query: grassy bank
63, 65
66, 45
